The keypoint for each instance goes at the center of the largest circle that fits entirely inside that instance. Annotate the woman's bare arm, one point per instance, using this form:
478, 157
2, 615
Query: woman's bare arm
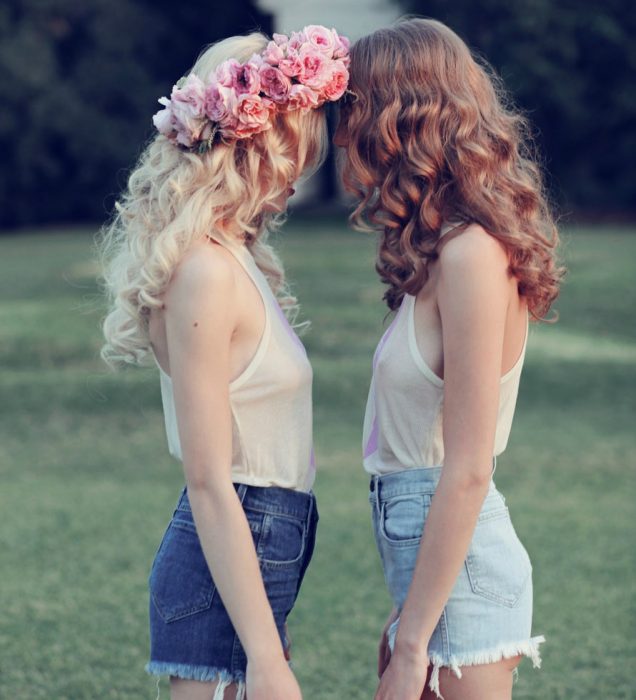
473, 296
201, 315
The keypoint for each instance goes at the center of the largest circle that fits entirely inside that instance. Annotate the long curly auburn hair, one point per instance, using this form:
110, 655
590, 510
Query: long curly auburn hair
432, 137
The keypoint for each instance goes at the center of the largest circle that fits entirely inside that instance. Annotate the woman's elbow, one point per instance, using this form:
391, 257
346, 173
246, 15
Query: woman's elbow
206, 479
471, 477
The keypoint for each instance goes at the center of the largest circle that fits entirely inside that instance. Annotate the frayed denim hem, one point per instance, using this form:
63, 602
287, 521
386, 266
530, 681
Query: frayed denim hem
199, 673
529, 648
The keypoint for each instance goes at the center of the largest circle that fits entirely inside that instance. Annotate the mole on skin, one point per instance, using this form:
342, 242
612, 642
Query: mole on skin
196, 323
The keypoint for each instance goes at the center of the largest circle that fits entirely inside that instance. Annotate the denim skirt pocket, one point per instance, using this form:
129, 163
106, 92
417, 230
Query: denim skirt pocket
180, 581
402, 518
282, 539
497, 563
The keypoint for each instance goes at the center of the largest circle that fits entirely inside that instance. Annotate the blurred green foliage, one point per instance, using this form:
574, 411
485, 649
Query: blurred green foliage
80, 83
570, 66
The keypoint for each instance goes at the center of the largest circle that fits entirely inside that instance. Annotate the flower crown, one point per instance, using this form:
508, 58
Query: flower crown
301, 71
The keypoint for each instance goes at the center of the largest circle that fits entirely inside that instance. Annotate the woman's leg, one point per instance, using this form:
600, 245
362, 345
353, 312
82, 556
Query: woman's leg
484, 682
181, 689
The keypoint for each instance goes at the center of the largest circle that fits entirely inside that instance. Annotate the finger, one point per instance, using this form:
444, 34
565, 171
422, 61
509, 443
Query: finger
384, 656
381, 653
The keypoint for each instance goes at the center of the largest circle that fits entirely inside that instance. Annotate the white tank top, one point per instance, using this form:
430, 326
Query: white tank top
403, 418
270, 402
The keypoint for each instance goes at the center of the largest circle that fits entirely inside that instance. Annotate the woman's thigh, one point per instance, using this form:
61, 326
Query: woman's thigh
181, 689
483, 682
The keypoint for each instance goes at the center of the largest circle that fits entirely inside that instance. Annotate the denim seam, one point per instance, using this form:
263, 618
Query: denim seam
155, 558
494, 514
236, 648
189, 611
276, 510
506, 601
445, 635
308, 553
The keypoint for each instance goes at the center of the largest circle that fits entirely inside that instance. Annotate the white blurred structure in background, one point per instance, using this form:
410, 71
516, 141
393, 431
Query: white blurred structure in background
353, 18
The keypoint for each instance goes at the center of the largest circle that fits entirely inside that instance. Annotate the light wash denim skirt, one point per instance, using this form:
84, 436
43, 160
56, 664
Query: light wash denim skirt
488, 616
191, 634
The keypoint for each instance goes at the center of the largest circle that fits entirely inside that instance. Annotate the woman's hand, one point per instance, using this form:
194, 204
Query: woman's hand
271, 680
404, 677
384, 651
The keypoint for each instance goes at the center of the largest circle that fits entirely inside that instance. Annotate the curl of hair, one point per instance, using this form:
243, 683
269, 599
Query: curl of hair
175, 198
432, 136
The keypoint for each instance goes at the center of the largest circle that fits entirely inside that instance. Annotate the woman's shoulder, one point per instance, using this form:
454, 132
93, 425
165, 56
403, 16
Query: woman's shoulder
473, 250
204, 270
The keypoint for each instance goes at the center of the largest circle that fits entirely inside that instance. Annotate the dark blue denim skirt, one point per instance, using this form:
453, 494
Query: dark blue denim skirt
191, 635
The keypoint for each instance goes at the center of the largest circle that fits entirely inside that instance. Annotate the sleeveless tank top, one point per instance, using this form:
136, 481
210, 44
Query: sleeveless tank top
270, 400
403, 418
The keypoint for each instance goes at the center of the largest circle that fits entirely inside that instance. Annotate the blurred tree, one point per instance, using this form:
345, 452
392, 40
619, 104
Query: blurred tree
570, 65
80, 82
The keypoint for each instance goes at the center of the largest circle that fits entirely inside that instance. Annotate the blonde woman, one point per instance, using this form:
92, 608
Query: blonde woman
439, 164
194, 283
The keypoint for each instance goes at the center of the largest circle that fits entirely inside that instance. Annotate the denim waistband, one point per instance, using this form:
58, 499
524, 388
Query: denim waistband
268, 499
411, 480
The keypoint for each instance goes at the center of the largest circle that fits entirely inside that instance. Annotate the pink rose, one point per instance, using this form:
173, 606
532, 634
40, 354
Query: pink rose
253, 115
291, 65
163, 118
280, 39
187, 104
296, 40
225, 71
220, 104
321, 39
242, 77
302, 97
274, 83
314, 68
273, 54
338, 81
245, 78
190, 96
342, 46
257, 60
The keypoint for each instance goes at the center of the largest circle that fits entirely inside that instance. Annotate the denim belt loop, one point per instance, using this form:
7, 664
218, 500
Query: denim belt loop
310, 511
376, 490
241, 491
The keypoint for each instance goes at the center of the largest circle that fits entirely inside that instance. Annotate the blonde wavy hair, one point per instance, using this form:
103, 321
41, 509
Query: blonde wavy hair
175, 198
432, 136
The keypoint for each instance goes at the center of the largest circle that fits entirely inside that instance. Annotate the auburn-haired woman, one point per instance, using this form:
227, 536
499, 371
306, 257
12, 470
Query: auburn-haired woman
438, 161
193, 281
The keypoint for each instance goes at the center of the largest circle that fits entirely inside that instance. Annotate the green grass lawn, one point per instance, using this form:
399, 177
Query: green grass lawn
87, 485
